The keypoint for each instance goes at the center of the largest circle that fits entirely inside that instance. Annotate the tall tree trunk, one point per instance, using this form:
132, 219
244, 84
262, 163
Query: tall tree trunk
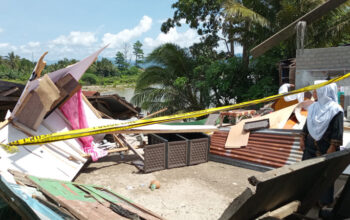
245, 56
232, 48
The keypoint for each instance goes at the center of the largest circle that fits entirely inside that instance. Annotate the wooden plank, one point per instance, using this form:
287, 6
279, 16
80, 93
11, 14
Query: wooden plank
9, 91
131, 148
304, 181
115, 97
67, 86
132, 204
4, 123
93, 109
155, 113
288, 31
238, 137
38, 104
109, 151
8, 99
54, 207
20, 177
16, 203
283, 211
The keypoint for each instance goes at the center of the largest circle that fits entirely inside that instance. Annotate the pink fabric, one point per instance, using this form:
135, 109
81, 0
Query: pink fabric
73, 109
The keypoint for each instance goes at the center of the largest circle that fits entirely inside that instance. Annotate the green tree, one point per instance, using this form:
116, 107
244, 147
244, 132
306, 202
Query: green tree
249, 22
233, 18
90, 78
121, 61
138, 52
12, 60
105, 67
169, 82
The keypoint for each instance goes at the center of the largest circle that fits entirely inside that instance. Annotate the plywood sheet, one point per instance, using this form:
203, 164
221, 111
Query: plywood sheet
238, 137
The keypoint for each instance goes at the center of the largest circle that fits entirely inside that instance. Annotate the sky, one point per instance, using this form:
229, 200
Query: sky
76, 28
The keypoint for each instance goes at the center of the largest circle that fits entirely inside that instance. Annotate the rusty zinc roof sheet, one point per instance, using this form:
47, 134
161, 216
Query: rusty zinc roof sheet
269, 147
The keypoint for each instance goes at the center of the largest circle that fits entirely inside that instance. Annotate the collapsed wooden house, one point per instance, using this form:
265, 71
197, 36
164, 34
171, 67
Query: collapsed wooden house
112, 105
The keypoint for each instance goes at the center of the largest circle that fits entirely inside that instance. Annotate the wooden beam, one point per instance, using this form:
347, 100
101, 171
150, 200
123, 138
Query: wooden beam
283, 211
131, 148
9, 92
8, 99
288, 31
155, 113
116, 150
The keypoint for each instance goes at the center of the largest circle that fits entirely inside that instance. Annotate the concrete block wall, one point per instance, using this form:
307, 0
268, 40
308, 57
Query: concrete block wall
323, 58
319, 63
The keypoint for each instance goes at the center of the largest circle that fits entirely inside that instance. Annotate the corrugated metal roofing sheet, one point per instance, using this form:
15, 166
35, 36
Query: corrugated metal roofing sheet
268, 147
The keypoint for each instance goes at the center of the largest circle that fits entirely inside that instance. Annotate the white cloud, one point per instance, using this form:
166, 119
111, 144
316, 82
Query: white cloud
76, 38
116, 40
34, 44
29, 48
3, 45
1, 30
184, 39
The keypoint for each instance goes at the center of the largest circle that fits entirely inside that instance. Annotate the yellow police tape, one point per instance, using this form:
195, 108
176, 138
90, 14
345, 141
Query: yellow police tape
59, 136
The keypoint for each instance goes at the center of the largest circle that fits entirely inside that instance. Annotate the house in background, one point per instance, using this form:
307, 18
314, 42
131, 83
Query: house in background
324, 63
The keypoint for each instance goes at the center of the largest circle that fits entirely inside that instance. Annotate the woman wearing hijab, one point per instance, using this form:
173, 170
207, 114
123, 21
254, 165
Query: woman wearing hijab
323, 131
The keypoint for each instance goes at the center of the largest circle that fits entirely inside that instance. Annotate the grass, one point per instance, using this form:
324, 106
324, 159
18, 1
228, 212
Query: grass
128, 80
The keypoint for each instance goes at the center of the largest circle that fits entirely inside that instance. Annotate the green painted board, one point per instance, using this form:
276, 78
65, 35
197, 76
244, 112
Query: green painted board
76, 191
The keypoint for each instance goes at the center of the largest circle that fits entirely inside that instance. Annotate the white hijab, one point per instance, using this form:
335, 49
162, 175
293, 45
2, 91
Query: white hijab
321, 113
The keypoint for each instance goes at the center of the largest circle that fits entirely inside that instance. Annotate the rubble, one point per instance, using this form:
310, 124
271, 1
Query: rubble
70, 130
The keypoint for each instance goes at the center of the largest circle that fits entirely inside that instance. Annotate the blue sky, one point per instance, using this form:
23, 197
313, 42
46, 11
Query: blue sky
76, 28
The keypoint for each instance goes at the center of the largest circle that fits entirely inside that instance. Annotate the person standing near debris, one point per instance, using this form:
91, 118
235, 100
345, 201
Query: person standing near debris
323, 130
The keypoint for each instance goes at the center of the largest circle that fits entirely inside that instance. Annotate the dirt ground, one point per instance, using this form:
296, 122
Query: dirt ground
195, 192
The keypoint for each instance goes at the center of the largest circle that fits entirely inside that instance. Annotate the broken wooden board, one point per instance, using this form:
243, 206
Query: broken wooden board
67, 86
304, 181
238, 137
77, 70
60, 160
19, 199
37, 103
90, 202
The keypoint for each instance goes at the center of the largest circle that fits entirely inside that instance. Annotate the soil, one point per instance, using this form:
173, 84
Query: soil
195, 192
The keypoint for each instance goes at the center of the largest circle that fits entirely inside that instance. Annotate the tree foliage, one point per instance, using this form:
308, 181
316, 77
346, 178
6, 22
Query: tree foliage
120, 61
169, 82
138, 52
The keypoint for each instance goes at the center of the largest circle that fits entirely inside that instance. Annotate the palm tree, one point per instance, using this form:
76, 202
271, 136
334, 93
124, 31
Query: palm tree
240, 22
13, 60
168, 82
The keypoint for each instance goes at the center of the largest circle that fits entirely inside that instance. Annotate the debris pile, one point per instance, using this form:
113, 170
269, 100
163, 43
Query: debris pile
54, 129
